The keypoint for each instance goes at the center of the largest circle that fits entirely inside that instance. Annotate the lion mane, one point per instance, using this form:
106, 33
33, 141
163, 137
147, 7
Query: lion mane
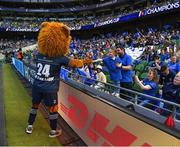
54, 39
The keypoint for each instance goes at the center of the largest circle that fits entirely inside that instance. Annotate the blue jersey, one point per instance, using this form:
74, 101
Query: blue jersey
114, 71
152, 91
174, 66
48, 71
126, 74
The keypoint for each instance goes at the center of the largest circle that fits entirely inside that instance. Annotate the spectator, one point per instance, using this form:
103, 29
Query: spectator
163, 56
115, 73
100, 77
173, 64
166, 77
126, 68
157, 64
149, 86
19, 55
89, 70
172, 93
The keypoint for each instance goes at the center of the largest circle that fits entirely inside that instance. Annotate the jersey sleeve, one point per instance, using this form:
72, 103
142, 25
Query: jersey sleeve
129, 61
153, 85
65, 61
105, 61
118, 60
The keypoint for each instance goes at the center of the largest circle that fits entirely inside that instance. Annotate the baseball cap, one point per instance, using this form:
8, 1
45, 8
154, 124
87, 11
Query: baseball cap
99, 66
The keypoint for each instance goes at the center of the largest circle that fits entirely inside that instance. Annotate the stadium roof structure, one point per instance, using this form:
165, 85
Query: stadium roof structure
73, 5
63, 8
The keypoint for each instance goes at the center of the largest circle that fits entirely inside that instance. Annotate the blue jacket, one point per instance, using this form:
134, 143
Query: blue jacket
126, 74
115, 72
152, 91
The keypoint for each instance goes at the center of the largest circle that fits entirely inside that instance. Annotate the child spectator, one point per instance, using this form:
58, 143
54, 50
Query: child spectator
100, 76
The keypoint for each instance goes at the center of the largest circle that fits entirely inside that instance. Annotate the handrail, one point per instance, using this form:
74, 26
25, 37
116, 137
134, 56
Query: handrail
135, 99
128, 90
113, 86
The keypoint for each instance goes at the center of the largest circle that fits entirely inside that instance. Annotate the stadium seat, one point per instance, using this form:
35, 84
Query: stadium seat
137, 88
139, 68
144, 62
150, 63
143, 75
108, 78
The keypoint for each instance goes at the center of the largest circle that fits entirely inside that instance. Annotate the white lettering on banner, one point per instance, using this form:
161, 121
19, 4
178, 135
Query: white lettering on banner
21, 30
164, 8
74, 28
114, 20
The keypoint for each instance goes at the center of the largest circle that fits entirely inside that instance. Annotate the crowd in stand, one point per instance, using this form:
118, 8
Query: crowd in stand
6, 44
161, 77
33, 25
156, 71
167, 37
9, 48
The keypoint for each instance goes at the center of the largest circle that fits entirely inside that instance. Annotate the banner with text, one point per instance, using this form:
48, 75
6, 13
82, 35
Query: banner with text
100, 124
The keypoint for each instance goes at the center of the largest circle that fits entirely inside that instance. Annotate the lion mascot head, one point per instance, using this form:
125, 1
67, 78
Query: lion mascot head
53, 41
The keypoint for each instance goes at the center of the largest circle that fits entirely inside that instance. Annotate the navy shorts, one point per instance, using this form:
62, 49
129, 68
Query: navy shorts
49, 99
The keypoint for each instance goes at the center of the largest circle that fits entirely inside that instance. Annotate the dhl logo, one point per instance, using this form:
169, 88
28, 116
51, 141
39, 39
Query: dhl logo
79, 115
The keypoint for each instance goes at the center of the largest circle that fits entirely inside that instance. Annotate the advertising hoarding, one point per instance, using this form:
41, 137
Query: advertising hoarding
101, 124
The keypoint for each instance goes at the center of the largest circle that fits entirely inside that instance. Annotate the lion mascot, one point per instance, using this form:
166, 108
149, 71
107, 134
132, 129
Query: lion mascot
53, 45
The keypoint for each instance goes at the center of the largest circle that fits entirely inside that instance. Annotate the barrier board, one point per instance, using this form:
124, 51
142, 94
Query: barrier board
18, 65
98, 123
